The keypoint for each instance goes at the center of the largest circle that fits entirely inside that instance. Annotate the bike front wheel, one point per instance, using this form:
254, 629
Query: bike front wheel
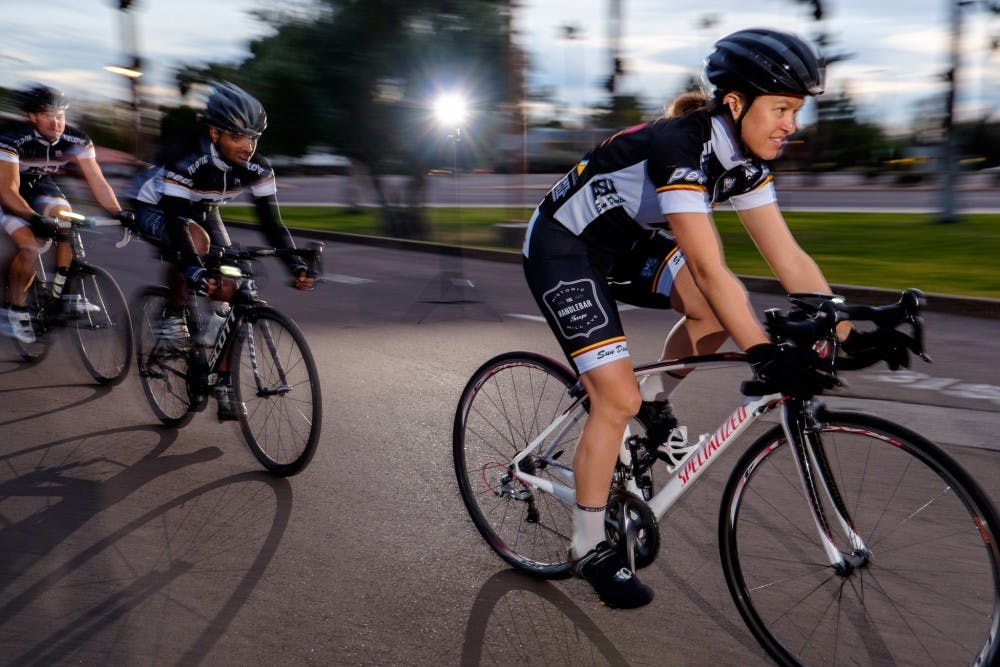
923, 586
274, 375
164, 372
101, 323
506, 404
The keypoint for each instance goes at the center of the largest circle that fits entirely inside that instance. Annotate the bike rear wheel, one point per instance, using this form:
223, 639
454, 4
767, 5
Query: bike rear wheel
505, 405
165, 373
925, 590
103, 336
275, 376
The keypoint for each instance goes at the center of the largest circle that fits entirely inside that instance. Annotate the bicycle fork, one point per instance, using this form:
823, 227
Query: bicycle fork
283, 387
801, 427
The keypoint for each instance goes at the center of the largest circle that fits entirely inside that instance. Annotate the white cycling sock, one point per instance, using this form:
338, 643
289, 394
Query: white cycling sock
588, 529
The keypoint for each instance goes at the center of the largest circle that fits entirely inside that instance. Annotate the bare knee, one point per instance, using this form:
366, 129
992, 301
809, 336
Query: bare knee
199, 236
614, 394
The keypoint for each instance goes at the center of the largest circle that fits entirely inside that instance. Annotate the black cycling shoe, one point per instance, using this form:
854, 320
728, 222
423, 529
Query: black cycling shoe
658, 419
230, 409
609, 574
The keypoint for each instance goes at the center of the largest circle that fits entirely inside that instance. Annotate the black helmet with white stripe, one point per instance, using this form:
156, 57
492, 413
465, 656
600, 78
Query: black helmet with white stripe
231, 109
40, 97
760, 61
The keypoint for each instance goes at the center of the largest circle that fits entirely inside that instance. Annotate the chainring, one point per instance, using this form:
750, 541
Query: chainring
627, 513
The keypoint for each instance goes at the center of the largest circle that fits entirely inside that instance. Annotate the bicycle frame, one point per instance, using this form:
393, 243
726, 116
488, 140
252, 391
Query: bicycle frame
237, 316
809, 458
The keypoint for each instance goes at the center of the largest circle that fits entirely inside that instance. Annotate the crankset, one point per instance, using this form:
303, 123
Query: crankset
631, 527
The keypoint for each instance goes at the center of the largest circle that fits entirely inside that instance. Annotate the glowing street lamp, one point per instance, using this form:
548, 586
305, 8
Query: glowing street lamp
129, 72
451, 110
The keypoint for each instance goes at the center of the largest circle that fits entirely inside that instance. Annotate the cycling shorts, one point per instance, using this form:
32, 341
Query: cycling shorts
42, 194
149, 222
576, 286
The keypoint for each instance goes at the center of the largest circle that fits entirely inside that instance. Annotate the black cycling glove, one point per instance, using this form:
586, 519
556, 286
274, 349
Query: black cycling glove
44, 227
127, 218
198, 279
787, 369
865, 348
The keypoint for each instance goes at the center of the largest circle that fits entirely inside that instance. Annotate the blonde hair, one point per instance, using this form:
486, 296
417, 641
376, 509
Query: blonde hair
686, 103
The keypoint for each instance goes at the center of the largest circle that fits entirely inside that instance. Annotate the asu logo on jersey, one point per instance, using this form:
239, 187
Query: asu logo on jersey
606, 196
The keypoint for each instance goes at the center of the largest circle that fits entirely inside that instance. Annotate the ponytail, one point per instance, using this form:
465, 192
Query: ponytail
686, 103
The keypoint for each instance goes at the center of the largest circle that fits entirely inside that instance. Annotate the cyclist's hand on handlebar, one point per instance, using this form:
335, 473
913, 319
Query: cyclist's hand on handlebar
44, 227
865, 348
201, 281
788, 369
304, 280
127, 219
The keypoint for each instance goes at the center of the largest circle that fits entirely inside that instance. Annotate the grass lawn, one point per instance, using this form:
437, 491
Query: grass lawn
889, 250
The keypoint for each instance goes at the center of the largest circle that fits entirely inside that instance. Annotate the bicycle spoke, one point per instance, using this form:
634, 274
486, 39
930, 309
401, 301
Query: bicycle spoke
926, 590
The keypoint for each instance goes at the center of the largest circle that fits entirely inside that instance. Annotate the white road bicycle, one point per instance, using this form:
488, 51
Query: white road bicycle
844, 538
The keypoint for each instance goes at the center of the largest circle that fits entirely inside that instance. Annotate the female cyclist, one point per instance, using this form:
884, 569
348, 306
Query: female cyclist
632, 222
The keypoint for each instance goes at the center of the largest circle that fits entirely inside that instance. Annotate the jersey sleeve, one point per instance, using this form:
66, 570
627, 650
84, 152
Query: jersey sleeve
261, 179
78, 144
8, 149
675, 169
761, 193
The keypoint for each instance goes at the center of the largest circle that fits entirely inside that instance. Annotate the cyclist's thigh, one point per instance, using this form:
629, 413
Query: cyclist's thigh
45, 196
150, 222
18, 230
646, 276
574, 296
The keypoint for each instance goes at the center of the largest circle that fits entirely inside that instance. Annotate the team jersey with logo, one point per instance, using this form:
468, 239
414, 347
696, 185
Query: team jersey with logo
36, 156
196, 181
191, 181
626, 185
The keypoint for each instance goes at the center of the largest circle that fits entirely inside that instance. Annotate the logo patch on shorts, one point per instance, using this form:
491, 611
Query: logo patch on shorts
576, 308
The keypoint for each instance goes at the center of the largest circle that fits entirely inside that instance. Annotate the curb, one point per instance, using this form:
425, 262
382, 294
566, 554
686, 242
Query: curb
937, 303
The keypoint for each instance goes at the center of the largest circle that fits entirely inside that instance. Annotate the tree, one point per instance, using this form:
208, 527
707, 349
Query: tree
358, 76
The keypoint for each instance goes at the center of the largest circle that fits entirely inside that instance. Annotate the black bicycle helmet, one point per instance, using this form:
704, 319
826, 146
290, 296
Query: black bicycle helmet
760, 61
40, 97
231, 109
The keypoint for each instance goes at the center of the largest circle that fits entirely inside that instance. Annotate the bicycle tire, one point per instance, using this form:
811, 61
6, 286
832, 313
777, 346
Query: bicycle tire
284, 412
37, 302
506, 404
163, 373
104, 337
929, 590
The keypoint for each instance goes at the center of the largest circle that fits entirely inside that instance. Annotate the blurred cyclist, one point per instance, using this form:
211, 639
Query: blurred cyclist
600, 235
30, 151
177, 208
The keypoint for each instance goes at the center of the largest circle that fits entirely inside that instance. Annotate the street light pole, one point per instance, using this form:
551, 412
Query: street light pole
131, 71
948, 151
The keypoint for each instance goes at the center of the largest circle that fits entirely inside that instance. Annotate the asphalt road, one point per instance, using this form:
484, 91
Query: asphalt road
124, 543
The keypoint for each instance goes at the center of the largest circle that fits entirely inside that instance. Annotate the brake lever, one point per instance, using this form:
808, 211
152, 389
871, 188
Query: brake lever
125, 238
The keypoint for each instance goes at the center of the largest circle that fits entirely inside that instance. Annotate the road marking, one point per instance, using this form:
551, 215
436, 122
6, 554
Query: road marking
530, 318
344, 279
945, 386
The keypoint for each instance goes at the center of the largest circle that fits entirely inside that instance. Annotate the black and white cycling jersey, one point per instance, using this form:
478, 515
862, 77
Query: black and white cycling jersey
190, 182
38, 157
626, 185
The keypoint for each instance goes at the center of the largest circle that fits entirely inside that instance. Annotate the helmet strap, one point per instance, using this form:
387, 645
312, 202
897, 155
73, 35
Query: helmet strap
748, 100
